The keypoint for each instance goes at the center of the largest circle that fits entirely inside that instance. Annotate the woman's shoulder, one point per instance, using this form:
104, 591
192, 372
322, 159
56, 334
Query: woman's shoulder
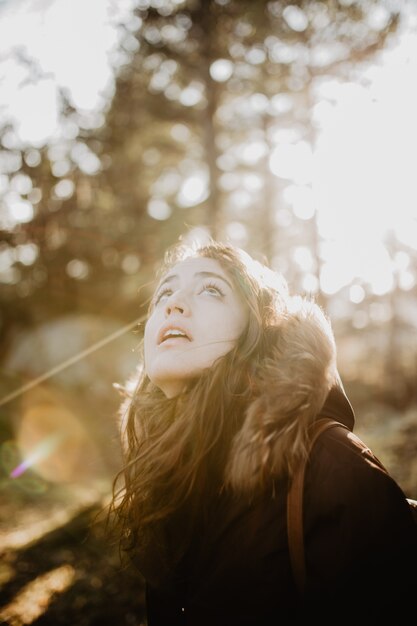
340, 445
343, 472
360, 533
339, 457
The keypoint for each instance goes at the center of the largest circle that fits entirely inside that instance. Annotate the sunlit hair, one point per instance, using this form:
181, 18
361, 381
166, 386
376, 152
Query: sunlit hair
176, 450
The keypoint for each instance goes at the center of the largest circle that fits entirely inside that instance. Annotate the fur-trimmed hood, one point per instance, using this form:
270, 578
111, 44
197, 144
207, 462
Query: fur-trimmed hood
296, 381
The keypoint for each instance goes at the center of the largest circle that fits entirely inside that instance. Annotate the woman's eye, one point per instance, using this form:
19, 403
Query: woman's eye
213, 290
161, 295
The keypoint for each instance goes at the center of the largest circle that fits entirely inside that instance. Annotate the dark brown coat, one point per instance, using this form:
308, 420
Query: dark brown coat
360, 541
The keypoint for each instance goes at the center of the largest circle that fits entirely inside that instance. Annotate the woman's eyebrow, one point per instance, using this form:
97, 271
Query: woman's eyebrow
204, 274
214, 275
167, 279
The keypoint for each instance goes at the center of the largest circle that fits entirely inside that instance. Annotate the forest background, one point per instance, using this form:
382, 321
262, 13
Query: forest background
216, 117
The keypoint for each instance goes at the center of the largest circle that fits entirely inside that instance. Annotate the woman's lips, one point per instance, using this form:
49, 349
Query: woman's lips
164, 334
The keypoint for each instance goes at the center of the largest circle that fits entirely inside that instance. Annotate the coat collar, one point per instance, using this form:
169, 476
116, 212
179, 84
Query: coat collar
338, 407
296, 381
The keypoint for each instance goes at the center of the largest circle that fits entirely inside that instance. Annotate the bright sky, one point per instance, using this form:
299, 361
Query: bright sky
71, 41
360, 179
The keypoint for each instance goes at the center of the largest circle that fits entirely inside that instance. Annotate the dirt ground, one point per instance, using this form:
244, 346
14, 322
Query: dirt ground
57, 567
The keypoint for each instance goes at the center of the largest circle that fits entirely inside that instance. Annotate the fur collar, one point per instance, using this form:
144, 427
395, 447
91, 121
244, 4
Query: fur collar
293, 384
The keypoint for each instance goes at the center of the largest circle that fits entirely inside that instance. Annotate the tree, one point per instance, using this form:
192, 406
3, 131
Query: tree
206, 93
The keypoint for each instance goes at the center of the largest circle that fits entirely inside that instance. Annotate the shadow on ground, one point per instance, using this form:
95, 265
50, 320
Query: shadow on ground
71, 575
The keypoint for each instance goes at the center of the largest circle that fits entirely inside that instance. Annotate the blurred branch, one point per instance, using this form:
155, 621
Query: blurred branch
70, 361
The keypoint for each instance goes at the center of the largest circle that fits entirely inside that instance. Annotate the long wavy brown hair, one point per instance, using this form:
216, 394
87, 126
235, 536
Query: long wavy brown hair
176, 450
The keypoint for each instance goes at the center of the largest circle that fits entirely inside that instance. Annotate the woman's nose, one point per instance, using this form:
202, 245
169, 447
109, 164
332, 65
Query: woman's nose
177, 302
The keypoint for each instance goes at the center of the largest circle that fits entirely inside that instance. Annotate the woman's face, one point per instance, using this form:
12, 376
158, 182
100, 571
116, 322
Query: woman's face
197, 317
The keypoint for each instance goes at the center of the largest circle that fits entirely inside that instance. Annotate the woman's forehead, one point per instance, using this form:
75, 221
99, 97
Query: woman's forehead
195, 266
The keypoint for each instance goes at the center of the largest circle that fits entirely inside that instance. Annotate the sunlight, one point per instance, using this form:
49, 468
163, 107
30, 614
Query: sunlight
349, 258
35, 110
301, 199
366, 150
364, 170
334, 275
46, 37
310, 283
90, 17
33, 600
362, 188
406, 231
292, 161
406, 281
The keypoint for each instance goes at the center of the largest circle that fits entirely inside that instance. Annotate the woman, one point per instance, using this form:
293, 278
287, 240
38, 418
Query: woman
235, 370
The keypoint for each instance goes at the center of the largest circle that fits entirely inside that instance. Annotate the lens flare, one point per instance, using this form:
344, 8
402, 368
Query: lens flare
41, 451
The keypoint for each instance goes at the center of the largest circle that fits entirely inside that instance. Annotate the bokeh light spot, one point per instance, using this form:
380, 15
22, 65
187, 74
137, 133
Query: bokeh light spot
21, 211
159, 209
356, 294
221, 70
64, 189
193, 190
77, 269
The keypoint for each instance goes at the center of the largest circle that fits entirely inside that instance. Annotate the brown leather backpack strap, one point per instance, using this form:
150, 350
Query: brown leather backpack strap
295, 506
